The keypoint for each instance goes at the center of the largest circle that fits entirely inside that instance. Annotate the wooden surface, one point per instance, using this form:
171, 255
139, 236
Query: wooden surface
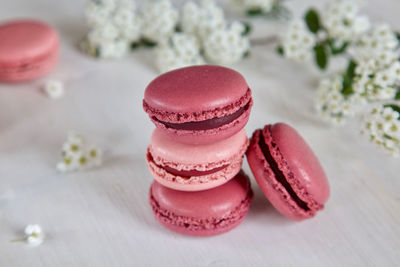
102, 217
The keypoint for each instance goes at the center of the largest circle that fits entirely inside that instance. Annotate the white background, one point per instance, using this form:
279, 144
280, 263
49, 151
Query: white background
102, 217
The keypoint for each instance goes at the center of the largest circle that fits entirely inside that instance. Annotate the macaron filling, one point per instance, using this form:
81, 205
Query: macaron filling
279, 176
186, 173
206, 124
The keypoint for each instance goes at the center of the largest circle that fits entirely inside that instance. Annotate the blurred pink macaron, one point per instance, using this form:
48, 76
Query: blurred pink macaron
199, 104
28, 50
188, 167
287, 171
202, 213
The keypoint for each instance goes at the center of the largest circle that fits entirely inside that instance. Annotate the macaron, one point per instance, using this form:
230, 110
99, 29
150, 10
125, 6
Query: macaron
188, 167
287, 171
202, 213
28, 50
199, 104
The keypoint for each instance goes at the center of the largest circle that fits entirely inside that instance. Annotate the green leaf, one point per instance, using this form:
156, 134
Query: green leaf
348, 79
393, 106
135, 45
397, 96
280, 50
147, 42
254, 12
246, 54
397, 36
247, 28
337, 50
321, 56
312, 20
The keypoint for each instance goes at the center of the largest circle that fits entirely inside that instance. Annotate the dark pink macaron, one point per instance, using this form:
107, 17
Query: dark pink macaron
199, 104
287, 171
28, 50
202, 213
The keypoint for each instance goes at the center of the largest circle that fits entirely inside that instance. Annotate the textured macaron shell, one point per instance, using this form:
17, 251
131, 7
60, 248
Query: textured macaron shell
164, 151
198, 94
202, 213
304, 188
28, 49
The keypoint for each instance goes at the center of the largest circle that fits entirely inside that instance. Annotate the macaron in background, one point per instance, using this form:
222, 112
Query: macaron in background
199, 104
195, 167
28, 50
202, 213
287, 171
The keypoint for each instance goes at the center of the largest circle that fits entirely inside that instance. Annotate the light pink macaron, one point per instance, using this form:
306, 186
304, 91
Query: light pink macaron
199, 104
28, 50
287, 171
202, 213
195, 167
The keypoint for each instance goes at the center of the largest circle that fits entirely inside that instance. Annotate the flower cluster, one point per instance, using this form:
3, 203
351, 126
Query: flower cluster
114, 26
77, 155
324, 36
298, 41
382, 126
178, 51
332, 104
206, 36
342, 21
196, 33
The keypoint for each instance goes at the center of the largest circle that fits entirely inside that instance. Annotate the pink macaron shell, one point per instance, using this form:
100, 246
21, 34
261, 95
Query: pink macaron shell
300, 169
164, 151
302, 161
28, 49
195, 89
206, 136
202, 213
199, 94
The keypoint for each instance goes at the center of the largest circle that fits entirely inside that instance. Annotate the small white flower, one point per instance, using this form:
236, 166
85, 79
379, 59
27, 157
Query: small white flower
298, 42
202, 20
180, 50
159, 19
227, 46
382, 125
34, 235
54, 89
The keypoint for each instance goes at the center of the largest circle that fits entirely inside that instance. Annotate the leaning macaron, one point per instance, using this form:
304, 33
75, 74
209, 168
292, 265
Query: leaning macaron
287, 171
188, 167
28, 50
199, 104
202, 213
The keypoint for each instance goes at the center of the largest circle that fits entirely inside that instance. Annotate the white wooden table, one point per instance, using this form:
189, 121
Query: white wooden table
102, 217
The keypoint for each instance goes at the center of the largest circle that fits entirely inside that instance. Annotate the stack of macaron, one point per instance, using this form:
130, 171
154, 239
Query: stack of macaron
197, 149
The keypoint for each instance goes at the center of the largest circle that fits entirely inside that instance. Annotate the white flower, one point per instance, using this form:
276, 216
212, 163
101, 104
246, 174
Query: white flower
378, 47
34, 234
298, 42
54, 89
114, 26
159, 19
77, 155
342, 21
264, 5
180, 50
226, 46
330, 102
382, 125
202, 20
